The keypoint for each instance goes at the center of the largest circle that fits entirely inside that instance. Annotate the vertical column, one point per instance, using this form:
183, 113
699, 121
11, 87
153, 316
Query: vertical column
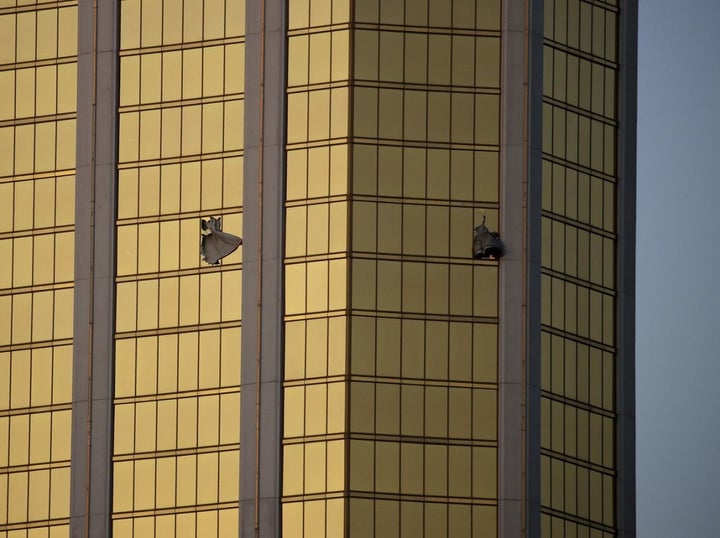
519, 301
533, 212
91, 476
262, 343
625, 320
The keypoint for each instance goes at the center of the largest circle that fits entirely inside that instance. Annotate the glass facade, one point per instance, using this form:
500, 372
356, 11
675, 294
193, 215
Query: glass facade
390, 326
580, 128
177, 358
38, 60
316, 269
394, 339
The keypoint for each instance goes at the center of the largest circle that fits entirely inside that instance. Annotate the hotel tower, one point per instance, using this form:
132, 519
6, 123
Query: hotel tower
352, 370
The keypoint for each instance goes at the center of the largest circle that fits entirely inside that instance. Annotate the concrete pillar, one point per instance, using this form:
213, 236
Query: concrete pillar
263, 230
625, 308
94, 307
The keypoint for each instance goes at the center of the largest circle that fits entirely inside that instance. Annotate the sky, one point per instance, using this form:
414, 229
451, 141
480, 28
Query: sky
678, 259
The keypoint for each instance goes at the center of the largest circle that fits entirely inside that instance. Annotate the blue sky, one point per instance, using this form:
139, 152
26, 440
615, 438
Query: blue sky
678, 259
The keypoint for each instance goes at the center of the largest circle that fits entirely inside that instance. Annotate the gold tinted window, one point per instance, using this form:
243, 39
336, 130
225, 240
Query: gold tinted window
579, 237
37, 183
180, 159
392, 157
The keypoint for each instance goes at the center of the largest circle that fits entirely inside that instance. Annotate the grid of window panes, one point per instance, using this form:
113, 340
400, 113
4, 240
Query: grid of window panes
391, 327
578, 268
314, 446
177, 349
38, 61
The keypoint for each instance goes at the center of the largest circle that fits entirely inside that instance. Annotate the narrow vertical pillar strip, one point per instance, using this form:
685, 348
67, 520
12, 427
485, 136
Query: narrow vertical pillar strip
533, 238
626, 213
519, 332
511, 336
263, 217
91, 467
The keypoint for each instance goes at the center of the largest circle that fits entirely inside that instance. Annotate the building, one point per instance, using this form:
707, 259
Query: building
351, 370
